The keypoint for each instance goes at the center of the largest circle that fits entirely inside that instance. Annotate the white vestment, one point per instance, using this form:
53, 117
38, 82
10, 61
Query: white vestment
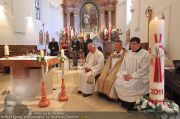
94, 61
136, 64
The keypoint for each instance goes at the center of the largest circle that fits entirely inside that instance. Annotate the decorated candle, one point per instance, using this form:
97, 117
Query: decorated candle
6, 50
62, 52
157, 28
42, 53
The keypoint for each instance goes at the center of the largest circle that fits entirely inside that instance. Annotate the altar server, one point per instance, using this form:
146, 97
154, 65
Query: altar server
132, 79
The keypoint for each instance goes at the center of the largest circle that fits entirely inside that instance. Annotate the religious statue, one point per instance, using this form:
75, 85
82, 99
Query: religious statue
86, 21
40, 37
65, 35
93, 20
119, 32
72, 32
105, 34
105, 31
47, 37
113, 33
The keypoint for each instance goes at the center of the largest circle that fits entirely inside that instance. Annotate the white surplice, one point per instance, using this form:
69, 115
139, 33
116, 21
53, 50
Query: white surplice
136, 64
94, 61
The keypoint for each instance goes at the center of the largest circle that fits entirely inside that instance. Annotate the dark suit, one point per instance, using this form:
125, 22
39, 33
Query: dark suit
86, 51
54, 48
75, 49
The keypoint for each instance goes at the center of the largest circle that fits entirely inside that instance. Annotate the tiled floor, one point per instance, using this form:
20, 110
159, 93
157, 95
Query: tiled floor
76, 101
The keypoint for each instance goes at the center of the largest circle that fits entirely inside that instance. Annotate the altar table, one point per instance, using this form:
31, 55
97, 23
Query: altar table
26, 74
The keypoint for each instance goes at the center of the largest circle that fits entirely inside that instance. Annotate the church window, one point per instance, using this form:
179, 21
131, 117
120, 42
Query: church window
37, 7
128, 12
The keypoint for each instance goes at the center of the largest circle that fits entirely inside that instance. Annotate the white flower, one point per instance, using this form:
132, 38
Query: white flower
138, 100
166, 109
151, 104
144, 105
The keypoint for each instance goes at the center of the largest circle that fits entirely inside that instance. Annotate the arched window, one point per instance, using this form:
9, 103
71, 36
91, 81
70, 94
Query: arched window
128, 11
37, 7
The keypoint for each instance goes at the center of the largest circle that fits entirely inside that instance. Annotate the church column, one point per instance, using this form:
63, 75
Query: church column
102, 20
76, 22
68, 26
109, 24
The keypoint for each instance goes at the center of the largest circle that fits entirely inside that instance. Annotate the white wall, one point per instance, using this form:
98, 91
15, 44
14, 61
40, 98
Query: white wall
16, 29
121, 17
56, 17
139, 27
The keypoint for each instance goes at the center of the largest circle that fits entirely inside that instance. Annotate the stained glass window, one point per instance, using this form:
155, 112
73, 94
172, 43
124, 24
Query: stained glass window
37, 7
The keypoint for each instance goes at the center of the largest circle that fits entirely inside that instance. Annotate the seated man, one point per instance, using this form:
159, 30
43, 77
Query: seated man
132, 79
107, 78
93, 67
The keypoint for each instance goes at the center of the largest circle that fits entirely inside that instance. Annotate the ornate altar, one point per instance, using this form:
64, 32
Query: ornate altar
89, 15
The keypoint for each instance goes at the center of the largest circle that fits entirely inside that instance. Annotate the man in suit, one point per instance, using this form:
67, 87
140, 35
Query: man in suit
75, 49
86, 51
54, 47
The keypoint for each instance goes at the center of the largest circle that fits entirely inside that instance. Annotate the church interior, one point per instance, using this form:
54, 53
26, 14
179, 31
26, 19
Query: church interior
27, 27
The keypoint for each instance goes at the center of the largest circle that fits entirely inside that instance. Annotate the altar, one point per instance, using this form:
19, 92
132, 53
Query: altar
26, 74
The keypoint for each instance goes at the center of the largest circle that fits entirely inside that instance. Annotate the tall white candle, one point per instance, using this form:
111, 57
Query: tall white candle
62, 66
42, 53
157, 26
157, 34
62, 52
6, 50
62, 63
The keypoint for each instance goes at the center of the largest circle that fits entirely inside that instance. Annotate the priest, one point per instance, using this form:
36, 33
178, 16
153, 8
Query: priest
105, 83
132, 79
93, 67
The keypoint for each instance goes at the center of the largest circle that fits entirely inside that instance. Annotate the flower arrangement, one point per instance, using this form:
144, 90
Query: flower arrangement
61, 58
40, 58
95, 36
145, 104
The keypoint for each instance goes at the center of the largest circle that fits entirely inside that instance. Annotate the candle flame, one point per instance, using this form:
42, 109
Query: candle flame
156, 18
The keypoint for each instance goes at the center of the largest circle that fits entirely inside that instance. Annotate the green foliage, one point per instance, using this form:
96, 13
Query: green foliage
61, 58
40, 58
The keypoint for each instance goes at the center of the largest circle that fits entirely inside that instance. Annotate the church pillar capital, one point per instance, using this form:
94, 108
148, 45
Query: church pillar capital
102, 11
111, 8
67, 13
76, 14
